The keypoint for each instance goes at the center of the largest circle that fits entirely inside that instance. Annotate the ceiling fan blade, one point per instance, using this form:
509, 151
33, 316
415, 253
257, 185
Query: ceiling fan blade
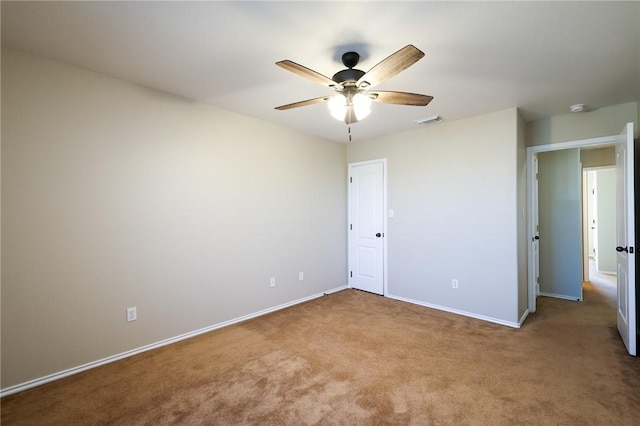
400, 98
391, 66
307, 73
303, 103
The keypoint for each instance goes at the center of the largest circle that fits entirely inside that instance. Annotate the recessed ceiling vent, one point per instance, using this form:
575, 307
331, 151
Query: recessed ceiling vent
429, 120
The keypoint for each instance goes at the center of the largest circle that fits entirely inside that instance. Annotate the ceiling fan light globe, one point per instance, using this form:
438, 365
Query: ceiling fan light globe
361, 105
338, 107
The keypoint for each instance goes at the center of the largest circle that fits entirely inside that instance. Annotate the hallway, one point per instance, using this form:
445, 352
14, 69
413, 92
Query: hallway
604, 284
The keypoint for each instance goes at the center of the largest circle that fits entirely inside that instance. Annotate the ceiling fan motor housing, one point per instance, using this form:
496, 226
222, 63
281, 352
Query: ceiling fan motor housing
350, 75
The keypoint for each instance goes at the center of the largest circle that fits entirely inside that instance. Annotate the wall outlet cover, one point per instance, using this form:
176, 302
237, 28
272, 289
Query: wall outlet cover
132, 314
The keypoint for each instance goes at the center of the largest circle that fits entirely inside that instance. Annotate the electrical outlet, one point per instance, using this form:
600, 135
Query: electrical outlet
272, 282
301, 276
454, 283
132, 314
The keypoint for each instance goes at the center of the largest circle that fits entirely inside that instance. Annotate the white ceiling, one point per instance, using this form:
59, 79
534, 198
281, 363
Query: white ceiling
480, 56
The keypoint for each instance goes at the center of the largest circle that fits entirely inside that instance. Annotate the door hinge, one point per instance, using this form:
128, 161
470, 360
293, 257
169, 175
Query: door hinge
536, 176
350, 180
350, 227
538, 280
351, 274
630, 250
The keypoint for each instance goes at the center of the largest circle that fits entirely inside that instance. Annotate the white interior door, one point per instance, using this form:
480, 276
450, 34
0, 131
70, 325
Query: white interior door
533, 264
625, 240
587, 238
591, 205
367, 225
535, 240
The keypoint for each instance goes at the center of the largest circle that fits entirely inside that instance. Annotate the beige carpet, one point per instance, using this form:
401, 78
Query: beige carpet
356, 358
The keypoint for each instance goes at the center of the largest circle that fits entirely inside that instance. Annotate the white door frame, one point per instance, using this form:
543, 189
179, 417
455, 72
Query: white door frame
532, 152
384, 219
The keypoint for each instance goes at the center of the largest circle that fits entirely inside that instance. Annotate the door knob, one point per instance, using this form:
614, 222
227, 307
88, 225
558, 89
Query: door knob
621, 249
537, 237
378, 235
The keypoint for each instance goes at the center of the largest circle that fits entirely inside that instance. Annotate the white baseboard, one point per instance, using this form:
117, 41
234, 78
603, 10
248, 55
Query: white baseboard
561, 296
344, 287
523, 317
71, 371
459, 312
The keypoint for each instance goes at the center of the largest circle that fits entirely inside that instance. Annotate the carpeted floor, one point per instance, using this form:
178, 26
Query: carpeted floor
356, 358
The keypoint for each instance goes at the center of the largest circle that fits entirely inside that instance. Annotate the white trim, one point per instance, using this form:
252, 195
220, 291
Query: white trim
531, 231
561, 296
604, 141
326, 293
459, 312
385, 217
523, 317
88, 366
531, 152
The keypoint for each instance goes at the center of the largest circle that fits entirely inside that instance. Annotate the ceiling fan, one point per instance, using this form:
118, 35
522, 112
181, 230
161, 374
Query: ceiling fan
353, 98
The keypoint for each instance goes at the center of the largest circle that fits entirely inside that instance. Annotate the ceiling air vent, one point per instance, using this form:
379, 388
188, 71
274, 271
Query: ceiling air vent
429, 120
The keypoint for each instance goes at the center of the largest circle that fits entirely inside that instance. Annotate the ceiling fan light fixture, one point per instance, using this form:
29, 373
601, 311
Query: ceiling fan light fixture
339, 104
361, 105
338, 107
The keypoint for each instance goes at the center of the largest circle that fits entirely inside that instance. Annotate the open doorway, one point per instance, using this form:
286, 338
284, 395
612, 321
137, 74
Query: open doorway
576, 218
625, 224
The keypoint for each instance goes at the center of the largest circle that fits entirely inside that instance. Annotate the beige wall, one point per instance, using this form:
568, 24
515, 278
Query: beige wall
454, 188
598, 157
606, 121
114, 195
523, 240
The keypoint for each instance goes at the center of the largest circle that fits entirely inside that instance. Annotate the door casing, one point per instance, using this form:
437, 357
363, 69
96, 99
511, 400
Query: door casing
532, 203
532, 153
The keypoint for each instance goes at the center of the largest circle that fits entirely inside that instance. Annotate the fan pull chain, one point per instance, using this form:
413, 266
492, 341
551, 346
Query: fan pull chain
349, 131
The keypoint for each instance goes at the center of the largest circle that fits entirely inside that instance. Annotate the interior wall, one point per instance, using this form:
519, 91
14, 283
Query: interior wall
523, 239
115, 195
606, 121
453, 187
599, 157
